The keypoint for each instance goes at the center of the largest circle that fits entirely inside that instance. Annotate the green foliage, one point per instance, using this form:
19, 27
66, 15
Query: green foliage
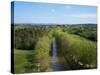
75, 30
24, 38
86, 31
92, 35
34, 63
27, 36
42, 49
72, 42
76, 48
37, 40
43, 46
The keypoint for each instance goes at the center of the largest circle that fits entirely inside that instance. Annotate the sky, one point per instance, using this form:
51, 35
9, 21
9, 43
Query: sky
32, 12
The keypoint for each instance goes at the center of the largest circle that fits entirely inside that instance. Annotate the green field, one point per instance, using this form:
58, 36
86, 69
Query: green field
20, 60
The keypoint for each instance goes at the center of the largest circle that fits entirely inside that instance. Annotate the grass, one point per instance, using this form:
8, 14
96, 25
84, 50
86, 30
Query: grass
80, 51
37, 60
20, 60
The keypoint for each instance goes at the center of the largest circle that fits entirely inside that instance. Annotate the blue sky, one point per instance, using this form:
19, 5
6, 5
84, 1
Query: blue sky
32, 12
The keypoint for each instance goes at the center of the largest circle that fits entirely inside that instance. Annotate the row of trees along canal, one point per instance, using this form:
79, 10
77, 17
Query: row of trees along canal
73, 51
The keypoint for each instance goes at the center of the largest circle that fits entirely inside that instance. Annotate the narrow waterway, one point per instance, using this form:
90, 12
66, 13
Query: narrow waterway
55, 60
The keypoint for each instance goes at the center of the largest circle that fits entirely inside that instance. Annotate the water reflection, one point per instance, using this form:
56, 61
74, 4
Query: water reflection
55, 60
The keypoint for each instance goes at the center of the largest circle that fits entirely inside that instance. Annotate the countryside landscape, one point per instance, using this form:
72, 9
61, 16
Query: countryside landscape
45, 41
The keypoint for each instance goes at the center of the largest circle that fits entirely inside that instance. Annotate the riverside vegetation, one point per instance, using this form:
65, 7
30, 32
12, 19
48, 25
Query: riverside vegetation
76, 46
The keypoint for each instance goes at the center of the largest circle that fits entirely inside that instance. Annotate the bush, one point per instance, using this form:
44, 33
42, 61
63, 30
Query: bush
24, 38
42, 49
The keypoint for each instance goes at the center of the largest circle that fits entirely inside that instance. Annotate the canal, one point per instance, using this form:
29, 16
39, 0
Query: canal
55, 61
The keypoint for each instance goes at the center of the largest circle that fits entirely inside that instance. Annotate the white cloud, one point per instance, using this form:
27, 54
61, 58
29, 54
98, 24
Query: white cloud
84, 15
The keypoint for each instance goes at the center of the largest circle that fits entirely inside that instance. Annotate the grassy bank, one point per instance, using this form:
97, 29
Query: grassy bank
43, 48
82, 52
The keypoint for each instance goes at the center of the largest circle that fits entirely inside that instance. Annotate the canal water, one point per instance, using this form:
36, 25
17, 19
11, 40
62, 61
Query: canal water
55, 60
